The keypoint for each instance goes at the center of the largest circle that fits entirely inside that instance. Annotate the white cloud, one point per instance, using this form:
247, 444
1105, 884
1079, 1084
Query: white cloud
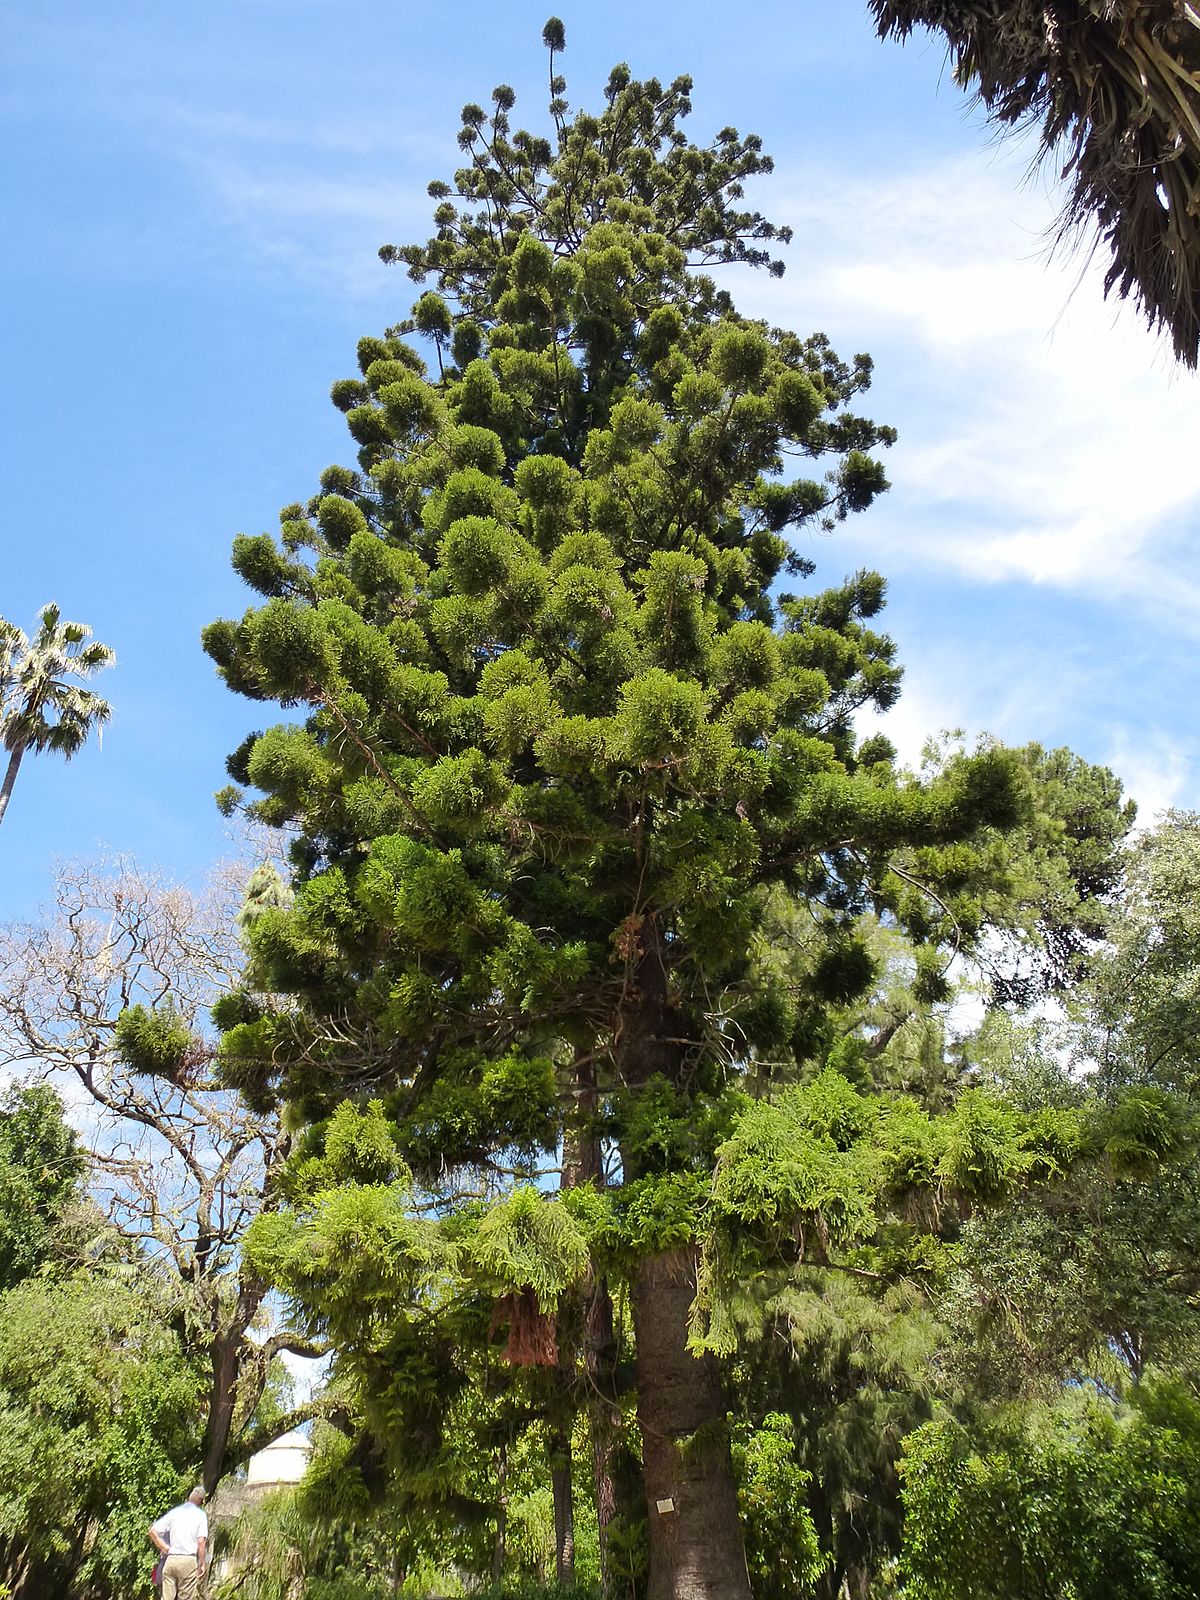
1157, 769
1047, 435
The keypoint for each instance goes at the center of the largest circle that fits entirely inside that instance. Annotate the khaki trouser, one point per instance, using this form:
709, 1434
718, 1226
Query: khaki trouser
179, 1578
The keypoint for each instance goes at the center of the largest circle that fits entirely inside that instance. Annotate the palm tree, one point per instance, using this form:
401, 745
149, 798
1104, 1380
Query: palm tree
1115, 85
39, 708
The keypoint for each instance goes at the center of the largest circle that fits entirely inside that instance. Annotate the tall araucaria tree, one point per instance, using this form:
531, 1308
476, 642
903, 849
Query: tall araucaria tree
40, 708
568, 752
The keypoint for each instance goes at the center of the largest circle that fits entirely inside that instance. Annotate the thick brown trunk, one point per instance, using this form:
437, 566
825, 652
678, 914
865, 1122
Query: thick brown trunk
696, 1549
695, 1533
221, 1402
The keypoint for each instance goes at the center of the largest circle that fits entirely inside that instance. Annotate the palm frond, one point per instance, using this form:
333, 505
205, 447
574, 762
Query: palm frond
1115, 86
42, 708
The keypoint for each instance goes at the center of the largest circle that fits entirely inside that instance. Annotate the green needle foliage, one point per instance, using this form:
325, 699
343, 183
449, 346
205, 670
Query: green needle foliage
568, 756
561, 731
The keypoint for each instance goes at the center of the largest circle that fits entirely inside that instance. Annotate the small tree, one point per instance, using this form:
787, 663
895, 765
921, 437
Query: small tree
1080, 1498
41, 1170
99, 1401
40, 709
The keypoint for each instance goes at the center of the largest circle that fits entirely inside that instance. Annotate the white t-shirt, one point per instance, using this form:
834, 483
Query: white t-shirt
183, 1528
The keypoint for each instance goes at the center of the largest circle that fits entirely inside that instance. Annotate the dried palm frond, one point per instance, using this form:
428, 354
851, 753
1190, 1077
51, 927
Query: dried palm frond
532, 1332
1116, 86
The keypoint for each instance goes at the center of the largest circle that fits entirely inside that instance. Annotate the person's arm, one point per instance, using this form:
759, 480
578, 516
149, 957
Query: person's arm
157, 1540
201, 1552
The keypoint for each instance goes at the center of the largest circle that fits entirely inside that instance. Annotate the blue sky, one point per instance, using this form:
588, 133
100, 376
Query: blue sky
195, 196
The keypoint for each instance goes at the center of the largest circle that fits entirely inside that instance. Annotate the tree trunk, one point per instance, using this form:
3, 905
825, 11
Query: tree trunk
564, 1505
695, 1533
10, 777
600, 1359
583, 1163
501, 1544
222, 1399
696, 1548
18, 1571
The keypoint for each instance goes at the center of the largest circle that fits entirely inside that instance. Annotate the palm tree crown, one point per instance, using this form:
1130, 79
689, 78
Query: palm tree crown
1115, 85
40, 707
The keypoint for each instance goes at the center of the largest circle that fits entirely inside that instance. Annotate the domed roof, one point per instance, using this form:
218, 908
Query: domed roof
281, 1461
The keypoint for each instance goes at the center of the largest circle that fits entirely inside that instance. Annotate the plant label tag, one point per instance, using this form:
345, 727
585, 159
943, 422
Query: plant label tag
664, 1506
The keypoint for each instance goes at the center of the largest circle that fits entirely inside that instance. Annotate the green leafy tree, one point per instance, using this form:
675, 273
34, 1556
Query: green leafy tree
568, 761
99, 1410
782, 1551
41, 1173
1097, 1278
1115, 85
1062, 878
1080, 1498
1136, 1013
40, 708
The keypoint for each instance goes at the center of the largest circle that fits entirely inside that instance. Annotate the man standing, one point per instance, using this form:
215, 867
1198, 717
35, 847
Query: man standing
182, 1537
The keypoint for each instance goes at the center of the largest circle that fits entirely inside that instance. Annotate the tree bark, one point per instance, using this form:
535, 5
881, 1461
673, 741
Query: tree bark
564, 1505
10, 778
600, 1359
583, 1163
501, 1545
695, 1532
696, 1548
225, 1367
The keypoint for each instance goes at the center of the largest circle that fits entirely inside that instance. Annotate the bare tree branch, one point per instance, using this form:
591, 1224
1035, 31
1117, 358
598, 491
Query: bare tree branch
179, 1163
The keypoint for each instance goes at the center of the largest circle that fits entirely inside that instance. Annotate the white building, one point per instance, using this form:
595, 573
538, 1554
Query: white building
282, 1463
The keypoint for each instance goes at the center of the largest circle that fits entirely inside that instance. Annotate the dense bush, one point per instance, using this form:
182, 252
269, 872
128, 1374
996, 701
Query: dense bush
1082, 1498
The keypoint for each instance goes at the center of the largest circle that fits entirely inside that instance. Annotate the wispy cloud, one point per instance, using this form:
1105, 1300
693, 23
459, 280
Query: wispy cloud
323, 231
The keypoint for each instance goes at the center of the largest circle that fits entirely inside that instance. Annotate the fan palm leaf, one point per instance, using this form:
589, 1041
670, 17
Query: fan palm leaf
1115, 86
43, 707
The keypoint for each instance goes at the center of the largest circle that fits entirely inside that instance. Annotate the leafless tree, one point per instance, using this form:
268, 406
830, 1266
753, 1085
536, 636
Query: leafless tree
179, 1163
